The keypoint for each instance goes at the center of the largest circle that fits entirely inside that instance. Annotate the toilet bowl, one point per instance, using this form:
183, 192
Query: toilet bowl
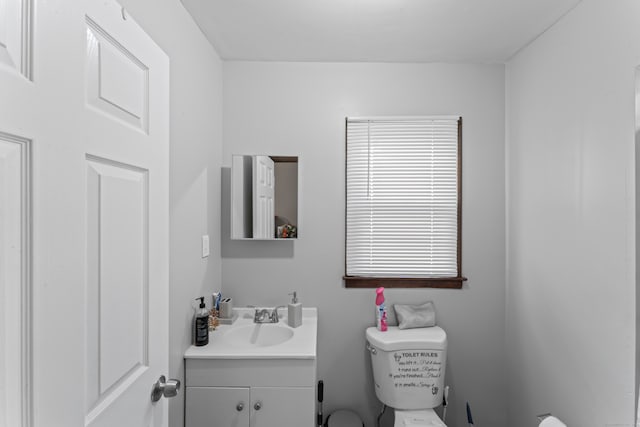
408, 372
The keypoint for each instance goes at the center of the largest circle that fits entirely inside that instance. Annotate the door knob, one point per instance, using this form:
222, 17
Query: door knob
165, 388
240, 406
257, 406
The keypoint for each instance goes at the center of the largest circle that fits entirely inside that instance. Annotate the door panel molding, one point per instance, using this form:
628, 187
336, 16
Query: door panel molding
16, 35
117, 315
16, 365
117, 81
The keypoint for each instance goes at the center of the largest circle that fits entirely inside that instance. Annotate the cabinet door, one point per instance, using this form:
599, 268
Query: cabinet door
282, 407
217, 407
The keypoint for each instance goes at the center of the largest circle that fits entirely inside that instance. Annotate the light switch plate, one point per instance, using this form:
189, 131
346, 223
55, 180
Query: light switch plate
205, 246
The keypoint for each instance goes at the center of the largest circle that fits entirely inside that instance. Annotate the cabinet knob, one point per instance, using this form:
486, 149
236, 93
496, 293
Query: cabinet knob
257, 406
240, 406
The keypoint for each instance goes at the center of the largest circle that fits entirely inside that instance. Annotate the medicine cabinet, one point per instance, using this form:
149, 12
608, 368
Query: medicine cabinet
264, 197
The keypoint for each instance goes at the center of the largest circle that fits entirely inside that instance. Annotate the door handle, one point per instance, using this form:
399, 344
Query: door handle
165, 388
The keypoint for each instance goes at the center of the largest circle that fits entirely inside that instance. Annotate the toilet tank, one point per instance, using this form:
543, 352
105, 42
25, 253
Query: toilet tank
408, 366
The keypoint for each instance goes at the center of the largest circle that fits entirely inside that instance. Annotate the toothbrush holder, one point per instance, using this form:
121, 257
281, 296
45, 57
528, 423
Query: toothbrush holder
226, 308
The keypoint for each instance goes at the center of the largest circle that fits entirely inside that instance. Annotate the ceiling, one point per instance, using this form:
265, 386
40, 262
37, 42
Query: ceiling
485, 31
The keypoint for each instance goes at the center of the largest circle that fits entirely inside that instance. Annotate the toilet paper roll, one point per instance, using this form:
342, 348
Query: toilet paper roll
552, 422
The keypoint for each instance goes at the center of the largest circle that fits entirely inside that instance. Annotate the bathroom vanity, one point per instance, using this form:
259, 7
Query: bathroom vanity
253, 375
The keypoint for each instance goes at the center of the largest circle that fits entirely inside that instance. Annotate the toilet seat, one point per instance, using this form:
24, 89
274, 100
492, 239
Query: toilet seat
421, 418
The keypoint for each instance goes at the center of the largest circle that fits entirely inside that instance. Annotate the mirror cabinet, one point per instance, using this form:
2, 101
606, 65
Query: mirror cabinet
264, 197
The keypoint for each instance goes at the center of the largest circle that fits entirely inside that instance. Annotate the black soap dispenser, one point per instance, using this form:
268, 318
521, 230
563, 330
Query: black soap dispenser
201, 324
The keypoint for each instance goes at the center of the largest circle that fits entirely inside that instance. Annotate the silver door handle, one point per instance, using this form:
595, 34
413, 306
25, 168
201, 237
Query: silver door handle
165, 388
257, 406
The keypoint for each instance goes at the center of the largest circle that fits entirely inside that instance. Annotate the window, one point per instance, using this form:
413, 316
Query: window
403, 202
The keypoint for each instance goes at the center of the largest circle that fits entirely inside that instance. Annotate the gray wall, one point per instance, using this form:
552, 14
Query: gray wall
299, 109
570, 309
286, 191
195, 150
571, 219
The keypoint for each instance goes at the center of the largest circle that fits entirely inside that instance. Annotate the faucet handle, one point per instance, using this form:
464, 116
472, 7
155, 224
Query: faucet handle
259, 315
274, 314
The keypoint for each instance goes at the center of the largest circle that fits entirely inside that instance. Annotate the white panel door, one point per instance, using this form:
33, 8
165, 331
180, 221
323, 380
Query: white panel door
86, 92
263, 198
18, 112
126, 198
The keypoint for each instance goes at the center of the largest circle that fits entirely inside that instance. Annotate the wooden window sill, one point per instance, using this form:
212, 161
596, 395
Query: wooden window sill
401, 282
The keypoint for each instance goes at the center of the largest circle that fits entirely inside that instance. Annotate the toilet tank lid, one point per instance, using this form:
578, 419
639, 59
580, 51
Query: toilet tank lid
433, 338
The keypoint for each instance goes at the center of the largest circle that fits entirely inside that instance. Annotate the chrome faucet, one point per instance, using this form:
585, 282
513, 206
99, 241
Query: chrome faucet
267, 316
262, 316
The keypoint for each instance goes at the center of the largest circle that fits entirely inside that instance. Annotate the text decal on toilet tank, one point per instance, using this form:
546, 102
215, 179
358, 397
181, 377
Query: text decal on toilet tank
417, 369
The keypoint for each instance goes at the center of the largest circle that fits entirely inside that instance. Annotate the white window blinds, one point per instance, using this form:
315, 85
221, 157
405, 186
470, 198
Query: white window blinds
402, 197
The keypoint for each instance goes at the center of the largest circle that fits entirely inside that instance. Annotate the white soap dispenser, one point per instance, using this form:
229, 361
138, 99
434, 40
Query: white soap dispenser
294, 318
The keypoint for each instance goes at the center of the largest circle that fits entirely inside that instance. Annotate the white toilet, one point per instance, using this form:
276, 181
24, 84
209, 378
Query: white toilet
408, 372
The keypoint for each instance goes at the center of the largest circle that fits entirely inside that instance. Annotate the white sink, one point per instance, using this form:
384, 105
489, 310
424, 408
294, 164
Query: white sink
245, 339
257, 335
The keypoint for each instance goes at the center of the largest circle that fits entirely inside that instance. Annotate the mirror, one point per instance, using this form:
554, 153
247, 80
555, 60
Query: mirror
264, 197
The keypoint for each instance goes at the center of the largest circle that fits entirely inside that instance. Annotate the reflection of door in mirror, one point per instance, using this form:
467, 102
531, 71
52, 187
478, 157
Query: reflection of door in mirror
263, 198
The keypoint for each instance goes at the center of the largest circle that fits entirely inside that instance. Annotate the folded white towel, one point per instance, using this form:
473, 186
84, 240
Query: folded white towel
417, 423
422, 422
552, 422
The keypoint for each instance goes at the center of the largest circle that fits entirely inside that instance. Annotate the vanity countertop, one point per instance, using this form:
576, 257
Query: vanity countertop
245, 339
